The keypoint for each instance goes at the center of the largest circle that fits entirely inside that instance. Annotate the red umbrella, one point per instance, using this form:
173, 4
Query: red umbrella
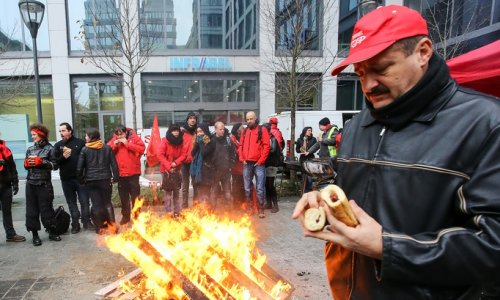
478, 69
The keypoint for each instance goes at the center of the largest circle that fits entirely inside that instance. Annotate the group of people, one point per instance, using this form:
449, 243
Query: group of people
87, 171
222, 165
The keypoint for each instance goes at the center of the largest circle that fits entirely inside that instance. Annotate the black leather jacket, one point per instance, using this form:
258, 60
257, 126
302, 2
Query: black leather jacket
42, 173
67, 166
97, 164
434, 186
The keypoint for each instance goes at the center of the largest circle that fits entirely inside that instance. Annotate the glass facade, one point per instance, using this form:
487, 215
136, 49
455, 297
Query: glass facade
298, 22
199, 24
98, 104
216, 97
18, 96
14, 35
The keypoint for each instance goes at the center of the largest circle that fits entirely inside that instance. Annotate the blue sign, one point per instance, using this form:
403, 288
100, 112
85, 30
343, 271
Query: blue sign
200, 63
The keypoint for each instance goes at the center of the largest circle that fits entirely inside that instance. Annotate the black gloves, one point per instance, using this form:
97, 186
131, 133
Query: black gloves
15, 188
2, 162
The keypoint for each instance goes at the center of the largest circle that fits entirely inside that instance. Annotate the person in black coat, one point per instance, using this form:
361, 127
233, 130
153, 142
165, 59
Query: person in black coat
40, 162
67, 153
97, 170
9, 185
202, 167
305, 141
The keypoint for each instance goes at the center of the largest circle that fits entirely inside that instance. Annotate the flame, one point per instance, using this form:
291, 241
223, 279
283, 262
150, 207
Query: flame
215, 253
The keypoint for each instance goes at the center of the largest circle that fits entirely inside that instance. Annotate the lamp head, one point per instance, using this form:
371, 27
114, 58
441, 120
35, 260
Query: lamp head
32, 12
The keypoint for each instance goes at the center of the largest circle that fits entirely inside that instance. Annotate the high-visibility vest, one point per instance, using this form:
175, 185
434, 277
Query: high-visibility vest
331, 149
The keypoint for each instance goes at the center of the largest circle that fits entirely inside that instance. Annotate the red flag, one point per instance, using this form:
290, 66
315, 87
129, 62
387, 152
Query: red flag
154, 144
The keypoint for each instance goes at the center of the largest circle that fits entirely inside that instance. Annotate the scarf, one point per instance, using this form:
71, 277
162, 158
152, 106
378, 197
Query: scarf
4, 153
190, 130
196, 166
176, 141
95, 144
404, 108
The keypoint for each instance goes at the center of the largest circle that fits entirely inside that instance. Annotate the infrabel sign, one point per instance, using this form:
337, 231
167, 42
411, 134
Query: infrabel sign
200, 63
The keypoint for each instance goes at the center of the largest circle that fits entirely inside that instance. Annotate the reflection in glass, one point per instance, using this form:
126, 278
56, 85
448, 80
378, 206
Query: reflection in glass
202, 24
19, 97
14, 35
94, 24
111, 96
85, 96
110, 122
291, 15
82, 121
181, 91
171, 91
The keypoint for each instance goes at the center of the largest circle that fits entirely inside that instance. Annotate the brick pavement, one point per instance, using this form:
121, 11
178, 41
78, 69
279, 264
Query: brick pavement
80, 265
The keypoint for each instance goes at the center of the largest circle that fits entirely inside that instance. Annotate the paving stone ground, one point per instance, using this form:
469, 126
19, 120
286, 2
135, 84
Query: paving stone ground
80, 264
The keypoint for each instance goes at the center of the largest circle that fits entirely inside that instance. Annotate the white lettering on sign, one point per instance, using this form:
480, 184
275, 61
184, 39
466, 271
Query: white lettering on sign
200, 63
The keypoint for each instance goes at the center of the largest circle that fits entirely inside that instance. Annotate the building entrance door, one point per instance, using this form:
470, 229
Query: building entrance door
108, 123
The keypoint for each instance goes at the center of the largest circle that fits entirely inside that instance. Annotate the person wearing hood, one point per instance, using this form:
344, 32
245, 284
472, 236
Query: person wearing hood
237, 185
202, 166
97, 170
172, 154
128, 148
40, 162
189, 136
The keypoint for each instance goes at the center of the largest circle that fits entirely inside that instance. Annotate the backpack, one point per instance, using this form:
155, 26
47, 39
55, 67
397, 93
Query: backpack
275, 157
62, 220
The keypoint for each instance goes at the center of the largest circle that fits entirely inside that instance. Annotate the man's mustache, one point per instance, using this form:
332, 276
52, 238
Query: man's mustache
378, 91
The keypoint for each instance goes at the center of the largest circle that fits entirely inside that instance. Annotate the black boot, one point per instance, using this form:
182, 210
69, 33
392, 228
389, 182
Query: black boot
36, 239
112, 228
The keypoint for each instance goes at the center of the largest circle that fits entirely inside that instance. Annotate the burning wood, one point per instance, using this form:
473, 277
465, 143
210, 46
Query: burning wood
200, 256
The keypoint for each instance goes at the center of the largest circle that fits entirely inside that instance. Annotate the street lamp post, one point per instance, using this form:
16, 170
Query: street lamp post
32, 13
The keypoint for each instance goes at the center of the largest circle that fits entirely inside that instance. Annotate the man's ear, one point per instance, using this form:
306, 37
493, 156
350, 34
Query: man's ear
424, 51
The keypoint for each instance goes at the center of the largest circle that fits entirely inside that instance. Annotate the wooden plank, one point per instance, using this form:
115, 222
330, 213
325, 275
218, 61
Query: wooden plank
105, 291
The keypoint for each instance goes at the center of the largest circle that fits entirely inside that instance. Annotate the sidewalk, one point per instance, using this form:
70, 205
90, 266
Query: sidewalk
80, 264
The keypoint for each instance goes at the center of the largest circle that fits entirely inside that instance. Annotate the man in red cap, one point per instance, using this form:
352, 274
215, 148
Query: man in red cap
421, 164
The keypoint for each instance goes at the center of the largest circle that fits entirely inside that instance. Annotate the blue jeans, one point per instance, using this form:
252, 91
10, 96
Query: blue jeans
72, 189
249, 171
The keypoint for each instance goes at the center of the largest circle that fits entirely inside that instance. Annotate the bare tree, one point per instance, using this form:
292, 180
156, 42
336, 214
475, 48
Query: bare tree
451, 22
111, 34
296, 29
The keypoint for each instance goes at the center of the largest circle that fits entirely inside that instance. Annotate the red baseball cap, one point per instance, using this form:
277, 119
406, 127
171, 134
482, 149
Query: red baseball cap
379, 29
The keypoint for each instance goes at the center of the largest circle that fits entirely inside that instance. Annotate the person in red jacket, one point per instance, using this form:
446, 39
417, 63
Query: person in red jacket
128, 148
253, 151
172, 155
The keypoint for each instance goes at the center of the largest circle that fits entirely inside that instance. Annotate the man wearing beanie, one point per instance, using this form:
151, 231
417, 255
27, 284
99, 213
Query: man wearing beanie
326, 140
189, 134
421, 166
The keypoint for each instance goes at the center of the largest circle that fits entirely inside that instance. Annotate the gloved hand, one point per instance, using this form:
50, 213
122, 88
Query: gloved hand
15, 188
33, 161
114, 180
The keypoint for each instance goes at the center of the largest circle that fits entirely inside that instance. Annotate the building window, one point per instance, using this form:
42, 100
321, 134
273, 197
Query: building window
18, 96
349, 93
98, 104
202, 24
308, 95
93, 24
14, 35
297, 24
